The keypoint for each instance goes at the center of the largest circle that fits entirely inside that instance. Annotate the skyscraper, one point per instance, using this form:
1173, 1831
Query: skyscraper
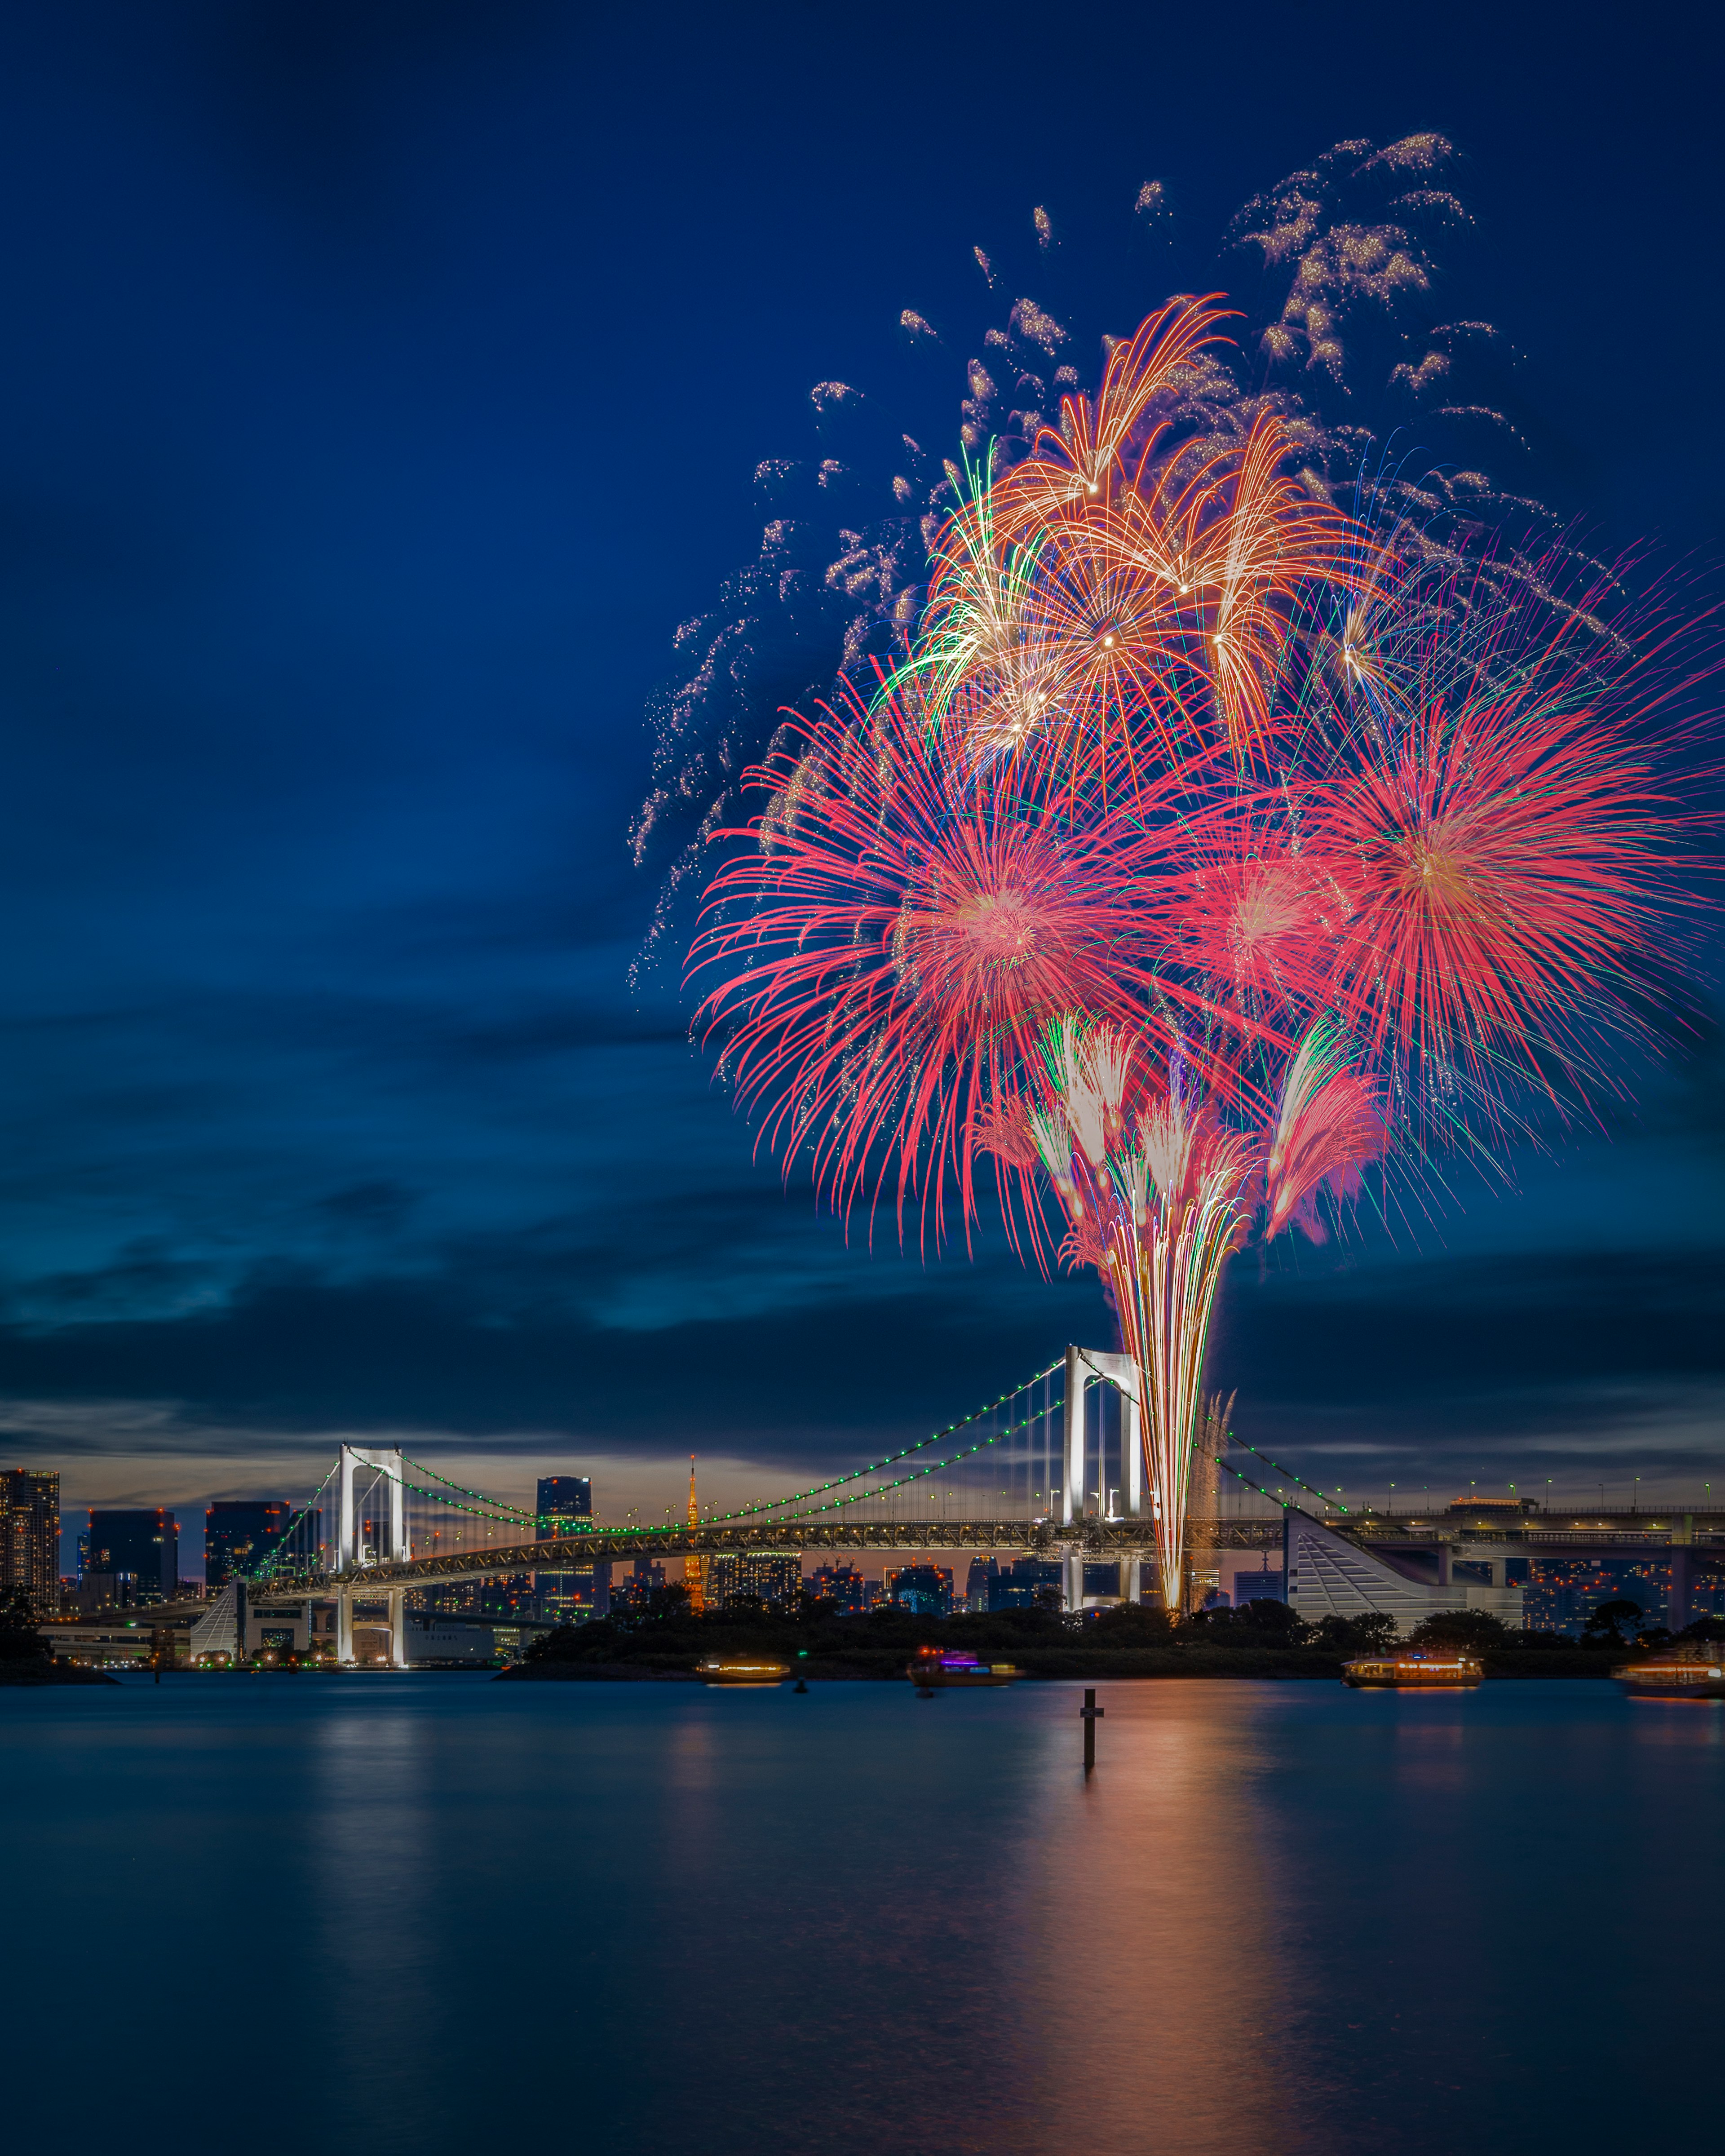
143, 1545
564, 1504
30, 1535
239, 1533
979, 1581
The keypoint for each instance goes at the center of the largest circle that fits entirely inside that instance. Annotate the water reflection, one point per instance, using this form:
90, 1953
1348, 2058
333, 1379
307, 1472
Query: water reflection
1151, 1977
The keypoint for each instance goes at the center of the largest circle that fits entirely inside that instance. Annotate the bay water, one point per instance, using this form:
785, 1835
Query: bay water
388, 1912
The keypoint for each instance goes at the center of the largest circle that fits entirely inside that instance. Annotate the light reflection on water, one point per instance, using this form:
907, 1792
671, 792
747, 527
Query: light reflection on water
1279, 1916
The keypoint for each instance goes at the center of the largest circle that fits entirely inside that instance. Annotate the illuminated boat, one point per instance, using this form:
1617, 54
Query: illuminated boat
1672, 1677
1412, 1673
738, 1673
936, 1669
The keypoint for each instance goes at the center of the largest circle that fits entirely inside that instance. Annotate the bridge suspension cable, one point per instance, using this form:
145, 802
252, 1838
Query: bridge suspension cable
892, 1459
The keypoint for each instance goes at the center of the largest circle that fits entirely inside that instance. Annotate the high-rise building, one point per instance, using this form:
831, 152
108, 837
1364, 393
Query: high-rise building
564, 1504
1027, 1583
978, 1582
925, 1589
842, 1583
754, 1575
239, 1533
1258, 1587
142, 1545
30, 1535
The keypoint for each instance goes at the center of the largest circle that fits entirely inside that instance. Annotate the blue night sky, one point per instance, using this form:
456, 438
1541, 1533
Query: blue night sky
381, 386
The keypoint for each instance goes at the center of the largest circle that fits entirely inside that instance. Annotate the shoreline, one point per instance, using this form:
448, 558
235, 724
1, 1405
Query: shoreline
1149, 1664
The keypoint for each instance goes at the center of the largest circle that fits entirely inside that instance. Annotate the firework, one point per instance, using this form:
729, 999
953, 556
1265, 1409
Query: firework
1345, 264
908, 926
1205, 845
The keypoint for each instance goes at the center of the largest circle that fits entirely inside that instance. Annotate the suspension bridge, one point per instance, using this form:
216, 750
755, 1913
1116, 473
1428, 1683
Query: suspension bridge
1053, 1468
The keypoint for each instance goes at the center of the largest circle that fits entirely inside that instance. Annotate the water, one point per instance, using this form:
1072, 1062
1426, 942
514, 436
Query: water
433, 1913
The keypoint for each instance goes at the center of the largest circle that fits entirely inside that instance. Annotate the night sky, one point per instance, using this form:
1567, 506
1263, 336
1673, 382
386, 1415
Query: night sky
380, 386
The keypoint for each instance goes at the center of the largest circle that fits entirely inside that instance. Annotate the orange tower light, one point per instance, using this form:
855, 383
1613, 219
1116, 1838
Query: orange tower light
694, 1586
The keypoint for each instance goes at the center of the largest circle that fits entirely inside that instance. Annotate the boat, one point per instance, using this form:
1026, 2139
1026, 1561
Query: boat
1673, 1677
935, 1669
739, 1674
1413, 1673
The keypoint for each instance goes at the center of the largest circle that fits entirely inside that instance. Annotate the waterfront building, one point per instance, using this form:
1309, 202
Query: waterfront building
142, 1544
774, 1576
926, 1589
1260, 1586
1329, 1575
842, 1583
30, 1535
239, 1533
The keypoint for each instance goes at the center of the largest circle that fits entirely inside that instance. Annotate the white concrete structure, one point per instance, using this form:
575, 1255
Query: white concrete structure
1329, 1576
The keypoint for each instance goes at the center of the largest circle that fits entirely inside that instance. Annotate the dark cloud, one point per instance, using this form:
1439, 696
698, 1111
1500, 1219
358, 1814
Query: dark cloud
500, 1347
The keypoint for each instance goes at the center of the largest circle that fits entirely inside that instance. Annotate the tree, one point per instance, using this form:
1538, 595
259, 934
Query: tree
1470, 1631
20, 1639
1272, 1623
1372, 1633
1606, 1622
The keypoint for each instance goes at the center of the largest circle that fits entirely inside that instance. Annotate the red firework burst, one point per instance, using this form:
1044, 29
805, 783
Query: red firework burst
908, 927
1501, 854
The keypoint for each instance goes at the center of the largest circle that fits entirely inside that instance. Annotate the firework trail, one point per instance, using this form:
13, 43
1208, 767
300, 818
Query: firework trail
1160, 1185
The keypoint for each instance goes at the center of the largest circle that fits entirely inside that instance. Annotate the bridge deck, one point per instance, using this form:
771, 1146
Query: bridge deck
1102, 1540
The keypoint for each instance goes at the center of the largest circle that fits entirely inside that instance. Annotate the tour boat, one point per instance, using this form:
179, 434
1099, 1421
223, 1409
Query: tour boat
1412, 1673
716, 1672
934, 1668
1673, 1678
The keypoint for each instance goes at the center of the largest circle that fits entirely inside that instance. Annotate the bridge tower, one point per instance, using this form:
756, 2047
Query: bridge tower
694, 1574
1085, 1367
353, 1554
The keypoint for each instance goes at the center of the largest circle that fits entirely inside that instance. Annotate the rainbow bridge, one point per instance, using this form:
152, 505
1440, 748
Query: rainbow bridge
1052, 1468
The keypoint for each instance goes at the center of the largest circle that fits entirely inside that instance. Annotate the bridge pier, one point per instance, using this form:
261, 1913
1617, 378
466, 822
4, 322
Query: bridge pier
1132, 1579
344, 1625
1072, 1579
1678, 1603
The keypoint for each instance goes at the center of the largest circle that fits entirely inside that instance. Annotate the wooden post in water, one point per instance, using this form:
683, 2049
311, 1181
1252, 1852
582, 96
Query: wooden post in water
1090, 1714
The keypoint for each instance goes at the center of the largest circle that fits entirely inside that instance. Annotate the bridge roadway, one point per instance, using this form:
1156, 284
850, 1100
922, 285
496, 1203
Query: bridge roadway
1099, 1540
1552, 1534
